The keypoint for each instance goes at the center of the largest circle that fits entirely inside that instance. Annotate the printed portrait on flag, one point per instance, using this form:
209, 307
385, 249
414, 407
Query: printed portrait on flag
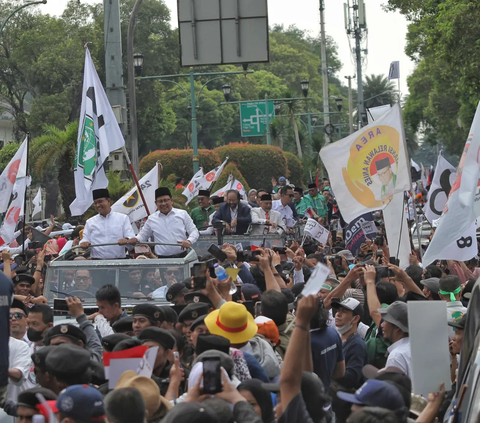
369, 166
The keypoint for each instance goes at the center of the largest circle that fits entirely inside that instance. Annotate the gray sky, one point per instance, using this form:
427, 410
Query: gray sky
386, 31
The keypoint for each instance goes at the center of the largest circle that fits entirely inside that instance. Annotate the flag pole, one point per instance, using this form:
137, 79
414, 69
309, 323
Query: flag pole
25, 196
125, 152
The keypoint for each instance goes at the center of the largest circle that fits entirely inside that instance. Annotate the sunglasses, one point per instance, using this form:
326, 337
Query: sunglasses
172, 272
82, 278
17, 316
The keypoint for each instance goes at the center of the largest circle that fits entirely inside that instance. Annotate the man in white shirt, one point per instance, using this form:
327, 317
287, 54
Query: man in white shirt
18, 369
107, 227
282, 206
168, 225
264, 215
395, 329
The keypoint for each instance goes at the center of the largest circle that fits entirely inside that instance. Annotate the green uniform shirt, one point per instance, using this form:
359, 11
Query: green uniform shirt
318, 204
301, 206
200, 216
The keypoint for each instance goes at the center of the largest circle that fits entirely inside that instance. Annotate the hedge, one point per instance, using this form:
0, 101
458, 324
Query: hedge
230, 168
179, 162
257, 163
295, 169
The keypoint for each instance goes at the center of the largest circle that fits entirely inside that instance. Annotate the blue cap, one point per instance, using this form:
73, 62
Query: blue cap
282, 177
375, 393
82, 402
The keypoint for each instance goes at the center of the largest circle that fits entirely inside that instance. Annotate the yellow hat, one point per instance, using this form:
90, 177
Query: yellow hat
232, 321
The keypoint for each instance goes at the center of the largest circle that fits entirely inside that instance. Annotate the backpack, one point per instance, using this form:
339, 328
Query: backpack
377, 347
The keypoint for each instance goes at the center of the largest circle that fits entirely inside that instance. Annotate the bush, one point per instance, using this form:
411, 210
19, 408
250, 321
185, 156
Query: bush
7, 153
258, 163
295, 169
230, 168
179, 162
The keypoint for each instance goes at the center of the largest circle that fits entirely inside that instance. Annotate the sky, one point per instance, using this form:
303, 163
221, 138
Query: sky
386, 31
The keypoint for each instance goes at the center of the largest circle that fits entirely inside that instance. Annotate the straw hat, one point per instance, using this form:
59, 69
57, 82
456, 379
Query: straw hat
147, 387
232, 321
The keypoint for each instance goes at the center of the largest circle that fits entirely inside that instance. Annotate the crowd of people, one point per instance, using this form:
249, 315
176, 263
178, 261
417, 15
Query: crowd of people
230, 348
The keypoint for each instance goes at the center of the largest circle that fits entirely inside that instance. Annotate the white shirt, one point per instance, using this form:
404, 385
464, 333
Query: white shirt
286, 212
399, 355
106, 230
19, 358
210, 230
169, 229
260, 216
234, 215
455, 311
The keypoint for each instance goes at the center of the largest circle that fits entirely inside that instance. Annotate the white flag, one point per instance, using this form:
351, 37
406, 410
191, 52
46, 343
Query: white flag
98, 135
424, 176
414, 165
192, 188
394, 71
375, 113
441, 184
231, 184
131, 203
396, 227
369, 166
15, 209
317, 231
37, 203
8, 176
463, 204
210, 177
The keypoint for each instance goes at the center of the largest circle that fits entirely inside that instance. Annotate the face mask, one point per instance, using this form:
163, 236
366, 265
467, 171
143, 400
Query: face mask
344, 328
34, 335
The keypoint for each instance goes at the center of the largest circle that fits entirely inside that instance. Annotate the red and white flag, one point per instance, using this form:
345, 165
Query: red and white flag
192, 188
210, 177
18, 168
231, 184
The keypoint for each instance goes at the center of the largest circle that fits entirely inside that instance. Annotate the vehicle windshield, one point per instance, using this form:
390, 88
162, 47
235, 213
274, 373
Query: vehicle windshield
134, 278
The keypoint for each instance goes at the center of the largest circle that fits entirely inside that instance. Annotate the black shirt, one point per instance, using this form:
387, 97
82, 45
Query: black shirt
296, 411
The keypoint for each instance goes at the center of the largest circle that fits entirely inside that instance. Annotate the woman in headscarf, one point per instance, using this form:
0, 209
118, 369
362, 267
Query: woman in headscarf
259, 398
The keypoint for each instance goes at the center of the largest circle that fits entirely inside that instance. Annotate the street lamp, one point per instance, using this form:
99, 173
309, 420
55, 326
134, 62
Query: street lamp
138, 63
305, 85
338, 102
226, 92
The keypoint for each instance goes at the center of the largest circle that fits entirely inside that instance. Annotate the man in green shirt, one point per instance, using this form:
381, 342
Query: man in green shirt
201, 213
316, 201
299, 201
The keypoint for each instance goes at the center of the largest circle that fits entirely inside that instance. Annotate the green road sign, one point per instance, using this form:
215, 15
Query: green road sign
252, 118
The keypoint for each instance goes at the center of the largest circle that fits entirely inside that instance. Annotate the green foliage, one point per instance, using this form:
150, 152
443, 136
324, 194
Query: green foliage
377, 91
116, 187
179, 162
444, 89
54, 152
257, 163
7, 153
230, 168
295, 169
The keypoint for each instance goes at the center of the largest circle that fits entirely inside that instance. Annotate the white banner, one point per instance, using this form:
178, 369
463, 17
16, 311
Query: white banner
192, 188
317, 231
369, 227
463, 248
37, 203
369, 166
441, 185
98, 135
131, 203
463, 204
9, 175
316, 280
393, 222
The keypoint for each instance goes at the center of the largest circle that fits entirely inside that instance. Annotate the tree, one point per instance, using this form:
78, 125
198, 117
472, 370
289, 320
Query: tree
377, 91
7, 153
55, 151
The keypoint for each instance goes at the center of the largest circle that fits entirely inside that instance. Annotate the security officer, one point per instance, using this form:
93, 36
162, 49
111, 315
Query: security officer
124, 325
176, 293
198, 297
161, 338
145, 315
43, 378
70, 365
27, 403
188, 315
111, 341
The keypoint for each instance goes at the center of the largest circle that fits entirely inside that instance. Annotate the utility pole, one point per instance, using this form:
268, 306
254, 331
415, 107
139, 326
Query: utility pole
323, 57
115, 88
350, 103
356, 27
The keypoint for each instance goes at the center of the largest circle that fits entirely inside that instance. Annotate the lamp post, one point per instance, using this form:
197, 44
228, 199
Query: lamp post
338, 102
305, 84
17, 10
226, 92
138, 64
